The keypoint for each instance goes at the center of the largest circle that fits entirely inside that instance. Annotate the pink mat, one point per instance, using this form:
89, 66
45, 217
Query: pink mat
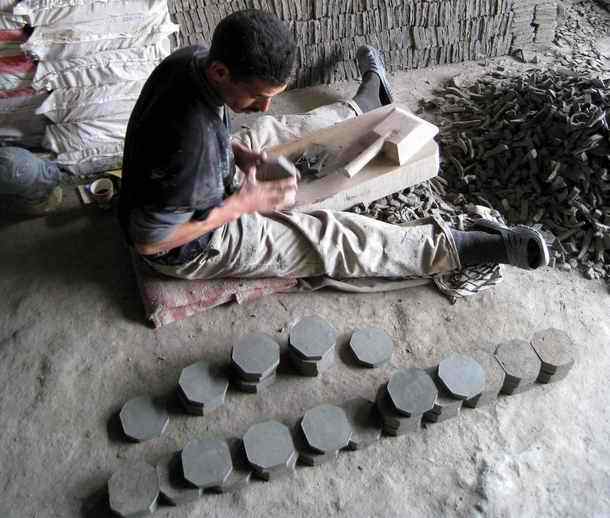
167, 300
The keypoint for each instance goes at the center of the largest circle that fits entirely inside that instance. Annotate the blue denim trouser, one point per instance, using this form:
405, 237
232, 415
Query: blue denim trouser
24, 177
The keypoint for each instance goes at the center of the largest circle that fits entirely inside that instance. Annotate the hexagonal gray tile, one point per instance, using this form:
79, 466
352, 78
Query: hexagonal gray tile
555, 349
312, 337
269, 445
411, 391
142, 418
202, 386
326, 428
133, 490
255, 356
206, 462
371, 346
462, 376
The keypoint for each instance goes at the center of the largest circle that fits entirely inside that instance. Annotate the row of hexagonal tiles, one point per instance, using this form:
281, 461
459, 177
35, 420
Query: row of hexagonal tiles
268, 449
254, 359
202, 388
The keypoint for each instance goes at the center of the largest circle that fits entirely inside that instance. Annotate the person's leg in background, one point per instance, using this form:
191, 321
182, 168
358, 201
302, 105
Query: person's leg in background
374, 91
28, 185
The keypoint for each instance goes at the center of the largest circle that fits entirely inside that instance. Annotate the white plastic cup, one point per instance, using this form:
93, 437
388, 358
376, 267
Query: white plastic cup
102, 191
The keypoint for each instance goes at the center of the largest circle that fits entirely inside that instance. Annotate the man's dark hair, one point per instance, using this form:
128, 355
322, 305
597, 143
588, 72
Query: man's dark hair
254, 45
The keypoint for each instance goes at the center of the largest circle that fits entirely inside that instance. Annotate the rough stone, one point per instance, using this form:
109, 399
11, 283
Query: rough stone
268, 446
365, 420
202, 387
371, 346
255, 356
555, 350
133, 490
142, 418
326, 428
411, 391
462, 376
311, 338
206, 463
240, 475
173, 487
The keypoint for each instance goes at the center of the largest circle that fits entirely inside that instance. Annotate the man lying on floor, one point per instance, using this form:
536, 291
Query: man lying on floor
177, 206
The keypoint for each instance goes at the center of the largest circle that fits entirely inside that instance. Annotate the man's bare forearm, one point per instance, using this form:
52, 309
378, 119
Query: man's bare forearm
263, 197
187, 232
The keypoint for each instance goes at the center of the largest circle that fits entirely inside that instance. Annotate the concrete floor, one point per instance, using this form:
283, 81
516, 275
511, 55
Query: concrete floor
74, 348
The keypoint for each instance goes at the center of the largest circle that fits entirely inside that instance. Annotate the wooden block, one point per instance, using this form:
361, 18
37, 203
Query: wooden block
378, 179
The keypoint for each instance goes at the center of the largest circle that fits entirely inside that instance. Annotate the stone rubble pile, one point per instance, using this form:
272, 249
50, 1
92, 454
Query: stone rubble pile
536, 147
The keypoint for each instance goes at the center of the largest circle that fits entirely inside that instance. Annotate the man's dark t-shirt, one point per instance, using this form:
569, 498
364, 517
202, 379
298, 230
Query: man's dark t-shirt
178, 161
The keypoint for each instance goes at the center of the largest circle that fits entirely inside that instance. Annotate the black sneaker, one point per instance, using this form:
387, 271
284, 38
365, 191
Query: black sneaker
370, 60
525, 247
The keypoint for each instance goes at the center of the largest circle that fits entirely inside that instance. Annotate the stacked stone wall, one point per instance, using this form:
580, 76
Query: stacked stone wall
411, 33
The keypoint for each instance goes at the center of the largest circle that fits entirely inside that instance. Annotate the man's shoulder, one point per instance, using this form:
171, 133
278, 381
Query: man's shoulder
184, 55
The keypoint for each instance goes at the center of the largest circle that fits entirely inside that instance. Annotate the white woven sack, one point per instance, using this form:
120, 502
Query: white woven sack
9, 22
6, 6
92, 160
112, 66
19, 123
94, 102
85, 39
63, 12
76, 136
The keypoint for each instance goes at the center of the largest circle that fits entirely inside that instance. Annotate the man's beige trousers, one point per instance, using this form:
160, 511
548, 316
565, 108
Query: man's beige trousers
339, 245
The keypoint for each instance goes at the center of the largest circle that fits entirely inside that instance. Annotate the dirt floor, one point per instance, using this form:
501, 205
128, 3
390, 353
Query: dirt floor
74, 347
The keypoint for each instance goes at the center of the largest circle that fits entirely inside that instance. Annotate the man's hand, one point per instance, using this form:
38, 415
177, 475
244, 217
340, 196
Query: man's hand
264, 197
246, 159
254, 196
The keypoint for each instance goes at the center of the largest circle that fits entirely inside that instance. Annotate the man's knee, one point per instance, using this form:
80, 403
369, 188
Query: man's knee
25, 179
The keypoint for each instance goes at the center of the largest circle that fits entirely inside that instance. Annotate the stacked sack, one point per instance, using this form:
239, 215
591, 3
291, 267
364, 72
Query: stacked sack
19, 123
93, 57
